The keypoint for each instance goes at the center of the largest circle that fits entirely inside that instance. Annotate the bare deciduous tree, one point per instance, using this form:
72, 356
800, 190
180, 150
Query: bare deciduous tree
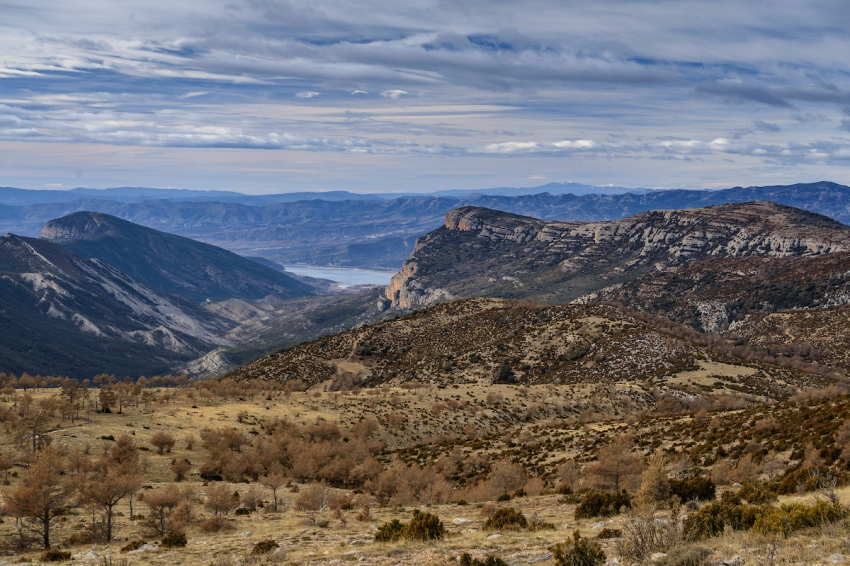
220, 500
108, 483
616, 465
273, 479
41, 497
163, 441
507, 476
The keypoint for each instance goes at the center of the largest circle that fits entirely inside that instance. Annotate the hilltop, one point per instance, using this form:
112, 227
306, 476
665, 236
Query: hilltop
173, 264
486, 341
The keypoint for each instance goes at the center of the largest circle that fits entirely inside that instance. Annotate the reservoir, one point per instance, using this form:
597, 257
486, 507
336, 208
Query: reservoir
346, 277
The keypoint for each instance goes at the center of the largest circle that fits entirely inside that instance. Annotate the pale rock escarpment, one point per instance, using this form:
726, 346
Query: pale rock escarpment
482, 251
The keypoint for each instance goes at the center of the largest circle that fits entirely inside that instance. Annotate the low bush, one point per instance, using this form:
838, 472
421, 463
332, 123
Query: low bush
424, 526
264, 547
491, 560
699, 488
390, 532
133, 545
758, 492
504, 497
603, 504
578, 552
804, 478
535, 525
174, 539
54, 555
242, 511
217, 525
607, 533
790, 517
506, 519
711, 520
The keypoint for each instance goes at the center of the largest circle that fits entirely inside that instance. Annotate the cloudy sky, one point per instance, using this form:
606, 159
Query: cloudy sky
378, 95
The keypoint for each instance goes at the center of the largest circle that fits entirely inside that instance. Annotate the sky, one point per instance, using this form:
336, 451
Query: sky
265, 96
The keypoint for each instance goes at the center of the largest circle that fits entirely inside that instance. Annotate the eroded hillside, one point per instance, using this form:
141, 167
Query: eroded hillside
484, 341
486, 252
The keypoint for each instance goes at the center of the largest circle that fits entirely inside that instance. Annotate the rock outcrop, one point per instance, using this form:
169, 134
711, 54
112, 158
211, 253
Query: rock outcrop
482, 251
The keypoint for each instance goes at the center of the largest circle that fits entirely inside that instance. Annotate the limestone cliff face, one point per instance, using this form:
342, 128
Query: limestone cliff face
482, 251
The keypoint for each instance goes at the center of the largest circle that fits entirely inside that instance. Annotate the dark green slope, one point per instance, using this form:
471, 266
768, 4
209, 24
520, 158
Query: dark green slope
169, 263
61, 314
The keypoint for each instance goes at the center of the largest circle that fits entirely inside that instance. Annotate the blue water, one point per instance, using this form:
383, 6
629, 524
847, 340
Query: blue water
346, 277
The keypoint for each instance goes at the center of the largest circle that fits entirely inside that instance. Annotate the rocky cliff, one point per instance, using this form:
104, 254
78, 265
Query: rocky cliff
485, 252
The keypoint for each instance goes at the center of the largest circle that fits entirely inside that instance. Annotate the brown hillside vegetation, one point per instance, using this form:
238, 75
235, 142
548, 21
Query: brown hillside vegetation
714, 294
485, 341
264, 464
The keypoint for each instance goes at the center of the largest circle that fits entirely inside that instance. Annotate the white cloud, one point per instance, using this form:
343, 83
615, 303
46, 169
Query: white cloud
306, 94
393, 93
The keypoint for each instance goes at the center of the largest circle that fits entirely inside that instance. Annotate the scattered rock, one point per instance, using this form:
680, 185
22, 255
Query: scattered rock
246, 534
460, 521
145, 548
494, 536
657, 556
836, 558
599, 525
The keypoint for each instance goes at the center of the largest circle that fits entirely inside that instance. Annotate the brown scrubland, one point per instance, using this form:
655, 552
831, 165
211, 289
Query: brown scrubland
258, 472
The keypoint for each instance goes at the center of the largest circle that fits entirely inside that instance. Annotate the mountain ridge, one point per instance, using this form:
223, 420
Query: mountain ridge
73, 316
486, 252
376, 233
170, 263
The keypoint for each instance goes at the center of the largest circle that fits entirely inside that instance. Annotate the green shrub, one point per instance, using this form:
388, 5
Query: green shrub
791, 517
491, 560
133, 545
424, 526
603, 504
503, 497
390, 532
698, 488
758, 492
264, 547
242, 511
55, 555
578, 552
711, 520
805, 478
174, 539
506, 519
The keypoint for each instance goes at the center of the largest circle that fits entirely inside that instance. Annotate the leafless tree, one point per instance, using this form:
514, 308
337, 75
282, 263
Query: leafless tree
616, 465
42, 496
163, 441
273, 479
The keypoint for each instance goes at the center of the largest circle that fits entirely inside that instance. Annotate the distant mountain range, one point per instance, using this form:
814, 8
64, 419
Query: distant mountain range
372, 231
102, 294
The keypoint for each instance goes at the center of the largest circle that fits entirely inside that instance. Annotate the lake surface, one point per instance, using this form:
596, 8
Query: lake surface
346, 277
